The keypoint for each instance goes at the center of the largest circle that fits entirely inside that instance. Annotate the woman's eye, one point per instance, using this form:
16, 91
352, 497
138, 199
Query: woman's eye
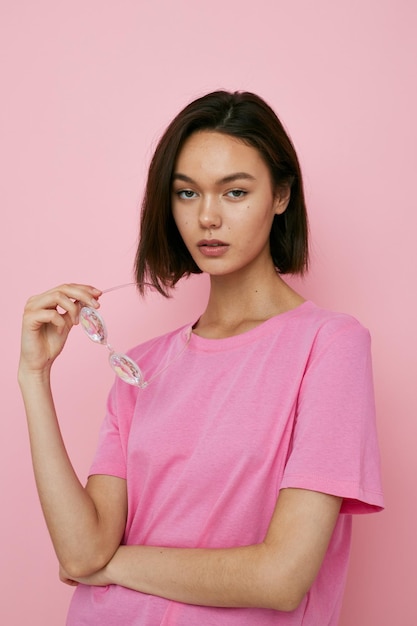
236, 193
186, 194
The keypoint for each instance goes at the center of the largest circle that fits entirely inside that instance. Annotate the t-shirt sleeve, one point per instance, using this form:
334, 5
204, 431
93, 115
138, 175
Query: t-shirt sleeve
334, 448
110, 456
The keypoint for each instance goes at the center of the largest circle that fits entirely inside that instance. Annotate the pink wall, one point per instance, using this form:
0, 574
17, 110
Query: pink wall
87, 87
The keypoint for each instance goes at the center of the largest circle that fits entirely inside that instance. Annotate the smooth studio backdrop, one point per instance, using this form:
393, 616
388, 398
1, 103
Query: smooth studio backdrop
86, 90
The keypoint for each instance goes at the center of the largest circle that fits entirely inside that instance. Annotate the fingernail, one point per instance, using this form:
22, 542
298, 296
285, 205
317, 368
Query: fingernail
94, 303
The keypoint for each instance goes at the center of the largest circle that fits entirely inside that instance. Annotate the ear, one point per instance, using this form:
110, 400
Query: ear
281, 199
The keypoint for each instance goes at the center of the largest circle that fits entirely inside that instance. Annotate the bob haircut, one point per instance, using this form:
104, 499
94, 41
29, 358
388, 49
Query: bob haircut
162, 258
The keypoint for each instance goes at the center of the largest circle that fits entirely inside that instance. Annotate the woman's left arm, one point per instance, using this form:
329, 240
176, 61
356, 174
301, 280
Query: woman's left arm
275, 573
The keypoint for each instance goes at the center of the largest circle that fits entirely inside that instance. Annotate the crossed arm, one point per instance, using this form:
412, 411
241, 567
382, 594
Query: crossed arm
87, 524
275, 573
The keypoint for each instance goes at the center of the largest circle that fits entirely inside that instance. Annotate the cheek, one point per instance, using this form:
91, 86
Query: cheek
183, 226
184, 222
177, 218
254, 217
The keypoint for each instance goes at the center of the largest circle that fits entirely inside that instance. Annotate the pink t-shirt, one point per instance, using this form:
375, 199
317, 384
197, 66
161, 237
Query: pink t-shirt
206, 448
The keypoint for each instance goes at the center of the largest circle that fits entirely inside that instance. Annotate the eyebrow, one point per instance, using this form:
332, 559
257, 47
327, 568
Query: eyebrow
227, 179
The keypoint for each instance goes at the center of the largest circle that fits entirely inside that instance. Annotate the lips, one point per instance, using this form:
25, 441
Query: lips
212, 247
211, 243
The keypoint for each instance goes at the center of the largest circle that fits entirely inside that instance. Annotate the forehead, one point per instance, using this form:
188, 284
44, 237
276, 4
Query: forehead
217, 153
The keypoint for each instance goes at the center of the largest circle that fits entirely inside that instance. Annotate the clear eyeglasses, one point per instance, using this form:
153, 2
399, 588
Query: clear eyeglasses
94, 327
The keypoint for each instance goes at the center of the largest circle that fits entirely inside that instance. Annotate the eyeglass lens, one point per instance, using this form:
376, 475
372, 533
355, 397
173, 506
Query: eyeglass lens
95, 329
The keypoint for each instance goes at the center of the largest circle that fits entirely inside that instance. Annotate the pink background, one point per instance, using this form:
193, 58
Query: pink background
87, 88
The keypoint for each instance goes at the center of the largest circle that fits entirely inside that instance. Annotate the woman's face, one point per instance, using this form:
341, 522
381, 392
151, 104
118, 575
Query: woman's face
223, 203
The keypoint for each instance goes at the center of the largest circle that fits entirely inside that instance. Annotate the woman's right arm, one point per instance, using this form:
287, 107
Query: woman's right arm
85, 524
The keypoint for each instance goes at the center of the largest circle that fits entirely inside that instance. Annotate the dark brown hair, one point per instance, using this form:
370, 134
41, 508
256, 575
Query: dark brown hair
162, 257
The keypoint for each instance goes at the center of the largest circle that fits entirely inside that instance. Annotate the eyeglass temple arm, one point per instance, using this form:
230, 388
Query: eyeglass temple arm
125, 285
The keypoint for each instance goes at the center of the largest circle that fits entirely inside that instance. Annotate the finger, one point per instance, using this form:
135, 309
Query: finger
34, 320
67, 297
85, 294
72, 291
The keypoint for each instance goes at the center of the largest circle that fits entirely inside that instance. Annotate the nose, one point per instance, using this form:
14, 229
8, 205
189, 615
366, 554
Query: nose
210, 216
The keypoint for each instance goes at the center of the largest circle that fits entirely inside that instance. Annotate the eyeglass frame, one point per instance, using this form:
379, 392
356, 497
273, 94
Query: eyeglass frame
123, 366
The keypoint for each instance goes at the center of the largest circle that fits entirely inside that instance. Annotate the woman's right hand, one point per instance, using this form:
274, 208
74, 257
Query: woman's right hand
47, 320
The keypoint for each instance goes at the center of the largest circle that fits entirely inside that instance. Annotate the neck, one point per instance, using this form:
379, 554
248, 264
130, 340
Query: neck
237, 304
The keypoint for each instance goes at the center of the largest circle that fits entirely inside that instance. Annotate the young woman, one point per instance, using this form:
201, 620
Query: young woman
222, 492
